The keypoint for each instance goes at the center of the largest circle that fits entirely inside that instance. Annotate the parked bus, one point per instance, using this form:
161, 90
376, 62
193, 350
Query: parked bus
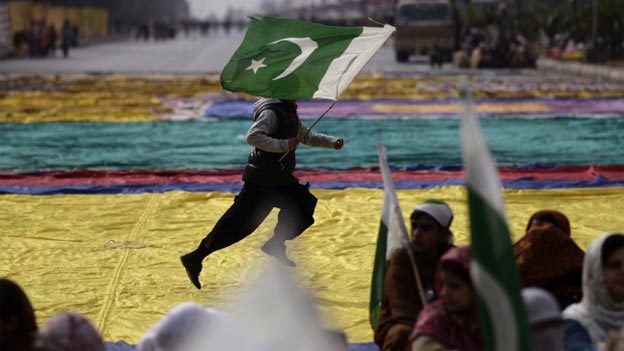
423, 24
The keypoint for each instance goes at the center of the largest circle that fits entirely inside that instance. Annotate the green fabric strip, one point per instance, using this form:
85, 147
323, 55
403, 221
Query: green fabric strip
221, 144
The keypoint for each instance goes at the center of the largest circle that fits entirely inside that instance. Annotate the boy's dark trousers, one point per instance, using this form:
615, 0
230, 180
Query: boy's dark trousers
253, 204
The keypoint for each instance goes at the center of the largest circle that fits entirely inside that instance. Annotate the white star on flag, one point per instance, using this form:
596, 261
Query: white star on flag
256, 65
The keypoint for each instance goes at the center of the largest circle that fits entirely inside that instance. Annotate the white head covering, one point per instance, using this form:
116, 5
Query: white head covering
179, 324
189, 322
597, 312
541, 307
439, 210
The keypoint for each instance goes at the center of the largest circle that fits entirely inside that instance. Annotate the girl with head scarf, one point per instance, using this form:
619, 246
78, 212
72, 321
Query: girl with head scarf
601, 311
548, 257
450, 322
18, 325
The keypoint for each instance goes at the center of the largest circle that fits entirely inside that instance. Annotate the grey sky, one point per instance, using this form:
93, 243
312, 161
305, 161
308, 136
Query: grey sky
203, 8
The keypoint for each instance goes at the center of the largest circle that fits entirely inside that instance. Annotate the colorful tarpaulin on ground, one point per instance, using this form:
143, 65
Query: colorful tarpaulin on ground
402, 109
229, 180
117, 98
130, 197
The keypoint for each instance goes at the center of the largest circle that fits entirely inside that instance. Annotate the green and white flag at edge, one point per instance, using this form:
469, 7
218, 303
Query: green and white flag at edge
291, 59
493, 267
392, 235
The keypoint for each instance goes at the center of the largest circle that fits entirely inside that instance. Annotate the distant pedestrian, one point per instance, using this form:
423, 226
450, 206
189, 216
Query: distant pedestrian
435, 57
52, 38
34, 39
67, 33
75, 35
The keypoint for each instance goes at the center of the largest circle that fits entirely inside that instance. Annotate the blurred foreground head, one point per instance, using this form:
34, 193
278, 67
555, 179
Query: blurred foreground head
180, 324
69, 332
544, 318
18, 325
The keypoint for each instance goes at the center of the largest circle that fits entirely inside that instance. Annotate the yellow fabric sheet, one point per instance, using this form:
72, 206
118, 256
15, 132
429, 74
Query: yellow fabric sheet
115, 259
513, 107
110, 98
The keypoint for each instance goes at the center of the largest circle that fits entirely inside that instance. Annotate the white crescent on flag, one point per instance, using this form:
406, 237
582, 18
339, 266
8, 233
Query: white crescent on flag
307, 47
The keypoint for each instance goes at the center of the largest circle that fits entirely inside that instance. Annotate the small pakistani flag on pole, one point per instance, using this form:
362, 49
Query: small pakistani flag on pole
493, 267
291, 59
392, 236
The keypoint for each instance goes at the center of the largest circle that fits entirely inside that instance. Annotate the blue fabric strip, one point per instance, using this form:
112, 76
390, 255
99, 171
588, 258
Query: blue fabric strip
236, 186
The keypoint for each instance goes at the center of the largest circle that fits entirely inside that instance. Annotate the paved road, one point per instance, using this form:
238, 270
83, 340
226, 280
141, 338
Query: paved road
182, 55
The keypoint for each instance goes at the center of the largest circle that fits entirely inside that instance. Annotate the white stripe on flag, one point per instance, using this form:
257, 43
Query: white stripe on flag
481, 173
498, 306
391, 212
343, 69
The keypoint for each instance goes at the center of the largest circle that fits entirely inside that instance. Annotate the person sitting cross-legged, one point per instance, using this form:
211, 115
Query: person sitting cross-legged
430, 238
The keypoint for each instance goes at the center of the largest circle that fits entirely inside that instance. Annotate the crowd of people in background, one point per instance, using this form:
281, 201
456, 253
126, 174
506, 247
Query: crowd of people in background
42, 39
161, 30
497, 45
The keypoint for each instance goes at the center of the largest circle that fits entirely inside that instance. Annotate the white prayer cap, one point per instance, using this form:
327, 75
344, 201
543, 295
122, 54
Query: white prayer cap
437, 209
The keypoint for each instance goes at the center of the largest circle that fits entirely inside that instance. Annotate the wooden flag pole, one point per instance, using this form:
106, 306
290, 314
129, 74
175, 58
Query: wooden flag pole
312, 126
421, 290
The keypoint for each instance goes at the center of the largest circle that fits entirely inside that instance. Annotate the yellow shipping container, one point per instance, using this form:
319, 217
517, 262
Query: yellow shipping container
102, 23
55, 16
83, 24
20, 14
94, 22
39, 11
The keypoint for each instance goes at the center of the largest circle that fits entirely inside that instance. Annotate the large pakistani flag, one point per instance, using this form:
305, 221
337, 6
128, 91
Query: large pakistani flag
392, 235
292, 59
493, 268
